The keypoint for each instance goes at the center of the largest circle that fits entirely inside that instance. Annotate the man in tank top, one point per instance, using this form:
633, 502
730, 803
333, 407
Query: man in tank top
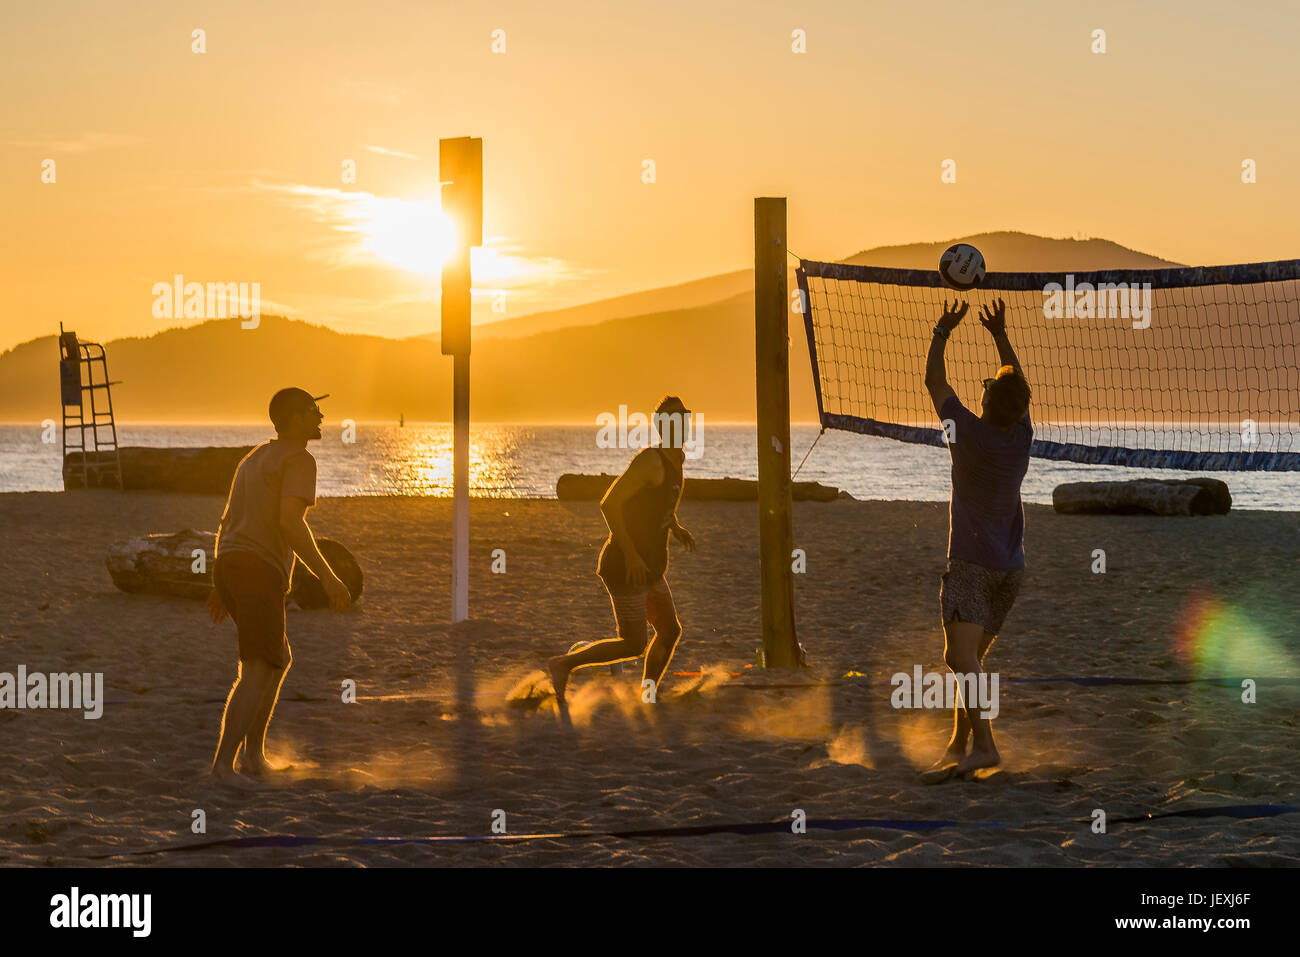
640, 509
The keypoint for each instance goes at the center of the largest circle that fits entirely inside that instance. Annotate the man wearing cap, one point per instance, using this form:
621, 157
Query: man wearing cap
262, 528
640, 509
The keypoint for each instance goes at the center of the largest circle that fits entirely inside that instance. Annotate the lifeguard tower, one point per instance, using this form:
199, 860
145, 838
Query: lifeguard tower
90, 454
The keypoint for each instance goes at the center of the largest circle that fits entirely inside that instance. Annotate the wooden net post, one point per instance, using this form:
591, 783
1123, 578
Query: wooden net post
772, 368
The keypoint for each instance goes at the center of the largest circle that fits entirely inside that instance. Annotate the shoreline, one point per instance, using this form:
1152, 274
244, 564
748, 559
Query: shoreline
845, 498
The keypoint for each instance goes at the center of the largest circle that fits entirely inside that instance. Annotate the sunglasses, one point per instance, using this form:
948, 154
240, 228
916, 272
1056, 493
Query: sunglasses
988, 383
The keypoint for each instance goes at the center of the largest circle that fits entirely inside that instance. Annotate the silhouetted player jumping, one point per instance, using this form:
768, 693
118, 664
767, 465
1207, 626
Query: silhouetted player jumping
986, 554
640, 509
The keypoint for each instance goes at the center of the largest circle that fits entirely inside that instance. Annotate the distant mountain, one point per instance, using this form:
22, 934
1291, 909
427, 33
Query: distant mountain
1017, 252
1005, 251
699, 292
567, 365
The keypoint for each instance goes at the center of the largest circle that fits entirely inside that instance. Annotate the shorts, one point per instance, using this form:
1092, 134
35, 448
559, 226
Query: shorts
253, 592
982, 596
633, 607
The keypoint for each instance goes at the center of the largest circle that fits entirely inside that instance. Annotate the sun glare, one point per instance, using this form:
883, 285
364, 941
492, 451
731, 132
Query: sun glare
415, 235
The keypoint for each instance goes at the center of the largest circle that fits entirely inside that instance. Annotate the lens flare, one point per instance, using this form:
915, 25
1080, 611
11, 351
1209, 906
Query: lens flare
1230, 639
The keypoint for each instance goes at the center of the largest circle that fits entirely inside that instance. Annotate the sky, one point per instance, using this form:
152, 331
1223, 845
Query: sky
227, 165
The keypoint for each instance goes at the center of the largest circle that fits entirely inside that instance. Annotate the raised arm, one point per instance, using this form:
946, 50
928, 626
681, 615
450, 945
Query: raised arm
994, 319
936, 375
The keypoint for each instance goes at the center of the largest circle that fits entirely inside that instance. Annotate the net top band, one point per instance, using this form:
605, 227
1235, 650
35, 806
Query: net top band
1238, 275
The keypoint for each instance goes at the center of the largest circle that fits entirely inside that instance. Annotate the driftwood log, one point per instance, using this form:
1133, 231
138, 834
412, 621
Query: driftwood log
200, 470
180, 564
164, 564
306, 590
1195, 496
591, 488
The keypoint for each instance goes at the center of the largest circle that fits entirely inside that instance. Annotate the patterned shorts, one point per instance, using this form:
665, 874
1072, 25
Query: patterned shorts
634, 607
982, 596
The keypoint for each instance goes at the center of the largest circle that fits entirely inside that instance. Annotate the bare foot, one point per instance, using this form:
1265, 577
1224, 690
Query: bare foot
945, 767
259, 767
232, 777
560, 680
978, 758
559, 677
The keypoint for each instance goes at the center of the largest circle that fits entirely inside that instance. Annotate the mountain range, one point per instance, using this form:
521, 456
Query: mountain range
695, 339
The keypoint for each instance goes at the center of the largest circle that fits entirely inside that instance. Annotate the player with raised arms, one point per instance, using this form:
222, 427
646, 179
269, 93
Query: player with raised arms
986, 555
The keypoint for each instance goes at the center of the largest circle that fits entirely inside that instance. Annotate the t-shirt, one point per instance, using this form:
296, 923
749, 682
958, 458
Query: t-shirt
251, 521
986, 520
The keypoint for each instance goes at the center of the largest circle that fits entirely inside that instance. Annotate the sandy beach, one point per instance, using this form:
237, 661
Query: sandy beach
453, 724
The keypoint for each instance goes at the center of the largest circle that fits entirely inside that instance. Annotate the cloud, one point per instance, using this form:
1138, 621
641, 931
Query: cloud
273, 307
411, 235
387, 152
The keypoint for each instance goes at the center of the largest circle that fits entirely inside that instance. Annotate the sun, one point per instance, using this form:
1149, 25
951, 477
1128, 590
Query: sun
415, 235
411, 234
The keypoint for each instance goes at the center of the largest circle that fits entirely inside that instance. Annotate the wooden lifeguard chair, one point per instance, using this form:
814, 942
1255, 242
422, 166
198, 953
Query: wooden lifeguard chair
83, 372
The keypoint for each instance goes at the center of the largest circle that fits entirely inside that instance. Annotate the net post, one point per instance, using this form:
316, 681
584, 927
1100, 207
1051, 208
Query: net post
772, 369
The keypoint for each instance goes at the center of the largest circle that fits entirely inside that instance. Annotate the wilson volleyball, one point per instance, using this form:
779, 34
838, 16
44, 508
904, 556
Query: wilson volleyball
961, 266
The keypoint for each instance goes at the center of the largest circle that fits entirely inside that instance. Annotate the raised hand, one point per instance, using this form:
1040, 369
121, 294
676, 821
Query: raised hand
994, 319
952, 315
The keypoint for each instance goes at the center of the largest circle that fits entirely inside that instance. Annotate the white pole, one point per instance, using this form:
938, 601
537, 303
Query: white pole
460, 491
460, 168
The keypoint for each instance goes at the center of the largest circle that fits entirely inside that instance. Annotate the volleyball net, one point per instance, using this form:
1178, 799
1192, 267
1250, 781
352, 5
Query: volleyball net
1184, 368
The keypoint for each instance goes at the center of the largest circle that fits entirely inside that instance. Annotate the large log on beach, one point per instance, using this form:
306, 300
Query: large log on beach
1194, 496
180, 563
199, 470
592, 488
306, 590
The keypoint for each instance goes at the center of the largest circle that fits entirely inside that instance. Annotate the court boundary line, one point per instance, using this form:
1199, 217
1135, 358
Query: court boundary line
1231, 811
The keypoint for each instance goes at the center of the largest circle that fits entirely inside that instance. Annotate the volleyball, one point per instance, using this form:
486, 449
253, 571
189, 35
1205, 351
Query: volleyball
961, 266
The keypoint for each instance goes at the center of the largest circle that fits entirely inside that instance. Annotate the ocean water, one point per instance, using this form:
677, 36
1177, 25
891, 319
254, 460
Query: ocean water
526, 461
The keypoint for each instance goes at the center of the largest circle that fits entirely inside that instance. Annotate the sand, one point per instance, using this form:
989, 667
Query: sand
1181, 598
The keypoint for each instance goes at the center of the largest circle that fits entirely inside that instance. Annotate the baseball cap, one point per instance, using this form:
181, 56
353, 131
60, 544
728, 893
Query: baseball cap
288, 402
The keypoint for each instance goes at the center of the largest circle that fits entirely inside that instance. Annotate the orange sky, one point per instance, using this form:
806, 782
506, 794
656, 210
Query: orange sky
226, 166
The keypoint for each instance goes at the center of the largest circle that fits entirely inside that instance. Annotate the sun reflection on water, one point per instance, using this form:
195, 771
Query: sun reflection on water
425, 463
